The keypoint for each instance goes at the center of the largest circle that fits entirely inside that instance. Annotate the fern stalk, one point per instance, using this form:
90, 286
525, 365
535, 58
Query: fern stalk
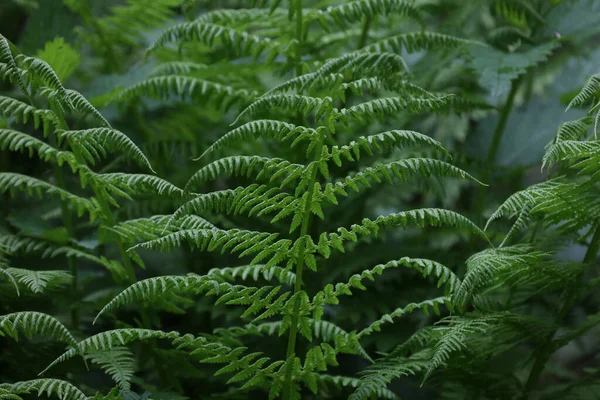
291, 345
496, 140
570, 296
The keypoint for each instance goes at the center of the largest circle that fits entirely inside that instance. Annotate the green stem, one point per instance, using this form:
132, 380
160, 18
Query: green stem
364, 35
291, 347
570, 297
495, 145
299, 36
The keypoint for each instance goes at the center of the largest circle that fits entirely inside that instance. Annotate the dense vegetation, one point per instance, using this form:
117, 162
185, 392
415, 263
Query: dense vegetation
302, 199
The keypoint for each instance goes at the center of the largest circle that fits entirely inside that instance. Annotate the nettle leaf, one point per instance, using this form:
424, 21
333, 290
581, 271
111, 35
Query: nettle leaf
496, 69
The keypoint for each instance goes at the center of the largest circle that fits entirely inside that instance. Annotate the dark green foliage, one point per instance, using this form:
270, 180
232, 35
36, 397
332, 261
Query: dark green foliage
287, 199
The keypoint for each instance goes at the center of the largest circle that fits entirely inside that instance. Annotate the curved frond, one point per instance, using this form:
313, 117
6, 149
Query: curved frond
162, 87
353, 11
377, 376
420, 217
93, 144
62, 389
267, 128
208, 33
10, 181
417, 41
77, 102
143, 229
44, 72
37, 281
233, 240
389, 318
33, 323
271, 168
297, 102
392, 105
18, 141
118, 362
254, 199
255, 272
565, 150
110, 339
589, 92
382, 143
10, 107
401, 170
140, 183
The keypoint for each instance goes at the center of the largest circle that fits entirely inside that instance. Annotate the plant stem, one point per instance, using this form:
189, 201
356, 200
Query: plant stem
495, 145
291, 347
570, 296
364, 35
299, 35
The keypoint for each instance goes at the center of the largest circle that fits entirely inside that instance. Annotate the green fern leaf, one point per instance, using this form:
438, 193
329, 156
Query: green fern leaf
383, 143
110, 339
10, 107
279, 130
118, 362
18, 141
10, 181
93, 144
271, 168
35, 323
162, 87
209, 34
353, 11
418, 41
62, 389
37, 281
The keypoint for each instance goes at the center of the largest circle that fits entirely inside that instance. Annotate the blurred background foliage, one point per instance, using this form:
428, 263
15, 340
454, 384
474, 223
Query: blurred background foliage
539, 55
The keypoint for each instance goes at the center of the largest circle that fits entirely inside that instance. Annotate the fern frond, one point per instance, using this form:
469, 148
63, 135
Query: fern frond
153, 227
163, 87
6, 55
485, 266
297, 102
420, 217
108, 340
403, 170
391, 105
566, 150
417, 41
37, 281
153, 288
238, 42
10, 107
456, 334
255, 272
377, 376
44, 72
271, 168
382, 143
266, 128
359, 63
49, 250
590, 91
574, 130
353, 11
118, 362
3, 267
78, 103
349, 382
93, 144
399, 312
254, 200
140, 183
62, 389
35, 323
10, 181
18, 141
530, 196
